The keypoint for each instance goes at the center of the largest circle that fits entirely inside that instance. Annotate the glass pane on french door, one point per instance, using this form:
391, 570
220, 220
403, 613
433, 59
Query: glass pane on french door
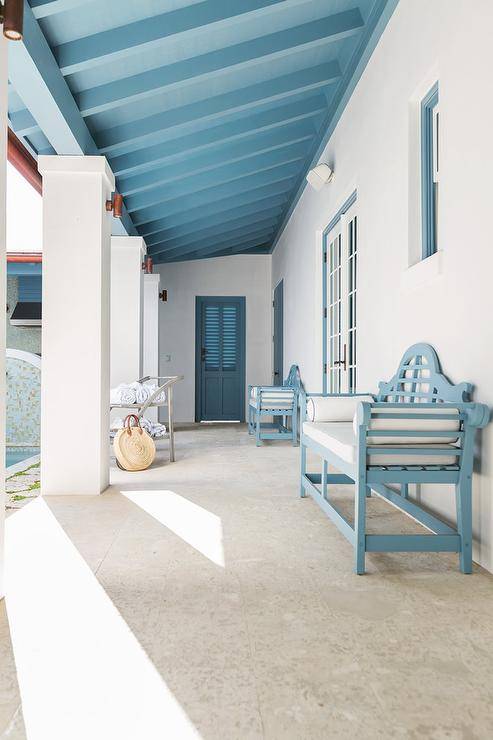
352, 240
341, 361
334, 310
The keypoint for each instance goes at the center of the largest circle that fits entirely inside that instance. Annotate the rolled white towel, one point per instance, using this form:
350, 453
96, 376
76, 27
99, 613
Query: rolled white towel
160, 398
146, 424
123, 394
158, 430
152, 428
141, 392
155, 429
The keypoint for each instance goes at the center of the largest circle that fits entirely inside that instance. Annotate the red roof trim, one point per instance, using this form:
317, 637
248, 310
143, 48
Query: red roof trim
24, 257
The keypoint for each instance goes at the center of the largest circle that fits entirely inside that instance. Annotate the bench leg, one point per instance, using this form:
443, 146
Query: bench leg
325, 468
294, 427
257, 429
404, 490
302, 468
463, 500
250, 422
360, 526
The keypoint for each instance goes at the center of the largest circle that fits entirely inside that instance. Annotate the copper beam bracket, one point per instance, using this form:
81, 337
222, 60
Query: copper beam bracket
115, 205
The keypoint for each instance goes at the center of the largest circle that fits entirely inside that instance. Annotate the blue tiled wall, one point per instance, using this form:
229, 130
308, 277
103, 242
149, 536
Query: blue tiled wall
23, 403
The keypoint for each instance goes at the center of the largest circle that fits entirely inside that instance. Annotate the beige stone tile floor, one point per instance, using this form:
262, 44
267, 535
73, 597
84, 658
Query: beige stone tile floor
280, 641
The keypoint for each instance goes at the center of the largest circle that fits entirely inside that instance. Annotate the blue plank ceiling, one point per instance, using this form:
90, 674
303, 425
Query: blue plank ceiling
210, 112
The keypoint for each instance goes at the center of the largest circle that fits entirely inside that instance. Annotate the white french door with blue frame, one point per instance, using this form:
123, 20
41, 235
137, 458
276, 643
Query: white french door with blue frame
340, 304
220, 359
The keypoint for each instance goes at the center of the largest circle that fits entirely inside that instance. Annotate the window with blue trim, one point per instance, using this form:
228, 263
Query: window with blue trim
430, 121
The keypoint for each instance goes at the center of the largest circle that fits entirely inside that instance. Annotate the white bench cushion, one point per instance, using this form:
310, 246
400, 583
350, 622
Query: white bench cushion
273, 405
334, 408
277, 398
340, 439
421, 425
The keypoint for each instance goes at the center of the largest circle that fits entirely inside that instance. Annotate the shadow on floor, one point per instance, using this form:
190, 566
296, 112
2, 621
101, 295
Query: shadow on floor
205, 599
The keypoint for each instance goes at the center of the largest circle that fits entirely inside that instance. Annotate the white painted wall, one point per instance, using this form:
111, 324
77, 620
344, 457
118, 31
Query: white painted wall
248, 276
23, 234
3, 292
447, 302
127, 298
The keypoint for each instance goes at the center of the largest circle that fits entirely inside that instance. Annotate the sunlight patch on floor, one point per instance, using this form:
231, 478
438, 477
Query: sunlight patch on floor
82, 673
198, 527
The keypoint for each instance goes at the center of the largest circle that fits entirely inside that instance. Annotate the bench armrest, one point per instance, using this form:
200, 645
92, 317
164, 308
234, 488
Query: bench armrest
475, 415
478, 415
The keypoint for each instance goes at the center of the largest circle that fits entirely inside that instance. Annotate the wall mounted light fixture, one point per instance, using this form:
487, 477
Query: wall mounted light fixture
115, 205
163, 296
12, 17
320, 176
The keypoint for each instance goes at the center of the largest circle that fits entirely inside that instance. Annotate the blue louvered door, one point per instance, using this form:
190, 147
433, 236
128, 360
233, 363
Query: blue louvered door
220, 361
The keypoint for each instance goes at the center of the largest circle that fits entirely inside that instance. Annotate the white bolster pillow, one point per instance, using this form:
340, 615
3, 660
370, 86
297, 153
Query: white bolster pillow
414, 425
334, 408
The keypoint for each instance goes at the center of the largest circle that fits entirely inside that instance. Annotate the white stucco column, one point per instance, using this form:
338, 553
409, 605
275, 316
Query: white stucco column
127, 303
150, 356
76, 324
3, 299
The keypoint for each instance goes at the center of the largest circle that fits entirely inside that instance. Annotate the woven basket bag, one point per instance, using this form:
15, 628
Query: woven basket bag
134, 448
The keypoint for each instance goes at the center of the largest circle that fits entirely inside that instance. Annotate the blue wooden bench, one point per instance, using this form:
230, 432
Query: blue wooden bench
279, 402
419, 428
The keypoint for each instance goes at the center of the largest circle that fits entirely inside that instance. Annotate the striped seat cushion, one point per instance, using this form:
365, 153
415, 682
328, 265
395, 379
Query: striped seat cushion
277, 398
423, 424
339, 437
273, 406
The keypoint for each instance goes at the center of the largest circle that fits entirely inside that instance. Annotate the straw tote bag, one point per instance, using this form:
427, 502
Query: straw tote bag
134, 448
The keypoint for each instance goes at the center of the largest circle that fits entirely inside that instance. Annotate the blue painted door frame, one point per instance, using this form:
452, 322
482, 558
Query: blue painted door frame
278, 333
220, 358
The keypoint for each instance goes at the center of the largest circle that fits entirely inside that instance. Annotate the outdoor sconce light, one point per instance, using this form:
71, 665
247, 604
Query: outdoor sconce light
320, 176
12, 16
163, 295
115, 205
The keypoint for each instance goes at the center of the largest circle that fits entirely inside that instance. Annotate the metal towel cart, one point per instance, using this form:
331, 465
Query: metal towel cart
141, 408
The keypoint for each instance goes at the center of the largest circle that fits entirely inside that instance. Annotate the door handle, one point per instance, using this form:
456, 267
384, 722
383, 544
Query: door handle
342, 362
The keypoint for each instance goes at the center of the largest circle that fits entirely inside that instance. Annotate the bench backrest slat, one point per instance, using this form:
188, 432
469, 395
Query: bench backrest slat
419, 380
294, 378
